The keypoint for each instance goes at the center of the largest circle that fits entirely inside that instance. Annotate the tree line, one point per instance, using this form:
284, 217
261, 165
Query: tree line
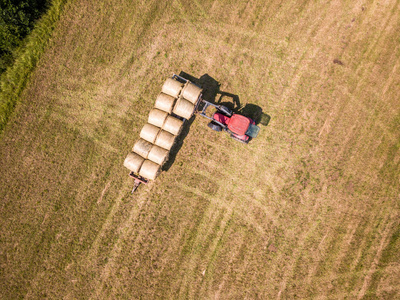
17, 18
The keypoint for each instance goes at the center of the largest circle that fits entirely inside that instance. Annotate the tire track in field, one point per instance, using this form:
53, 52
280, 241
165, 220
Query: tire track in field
371, 270
328, 30
230, 205
320, 33
116, 251
380, 33
242, 210
294, 82
312, 261
208, 236
295, 79
244, 28
319, 254
307, 57
230, 181
184, 15
244, 36
353, 95
360, 130
367, 74
197, 267
394, 74
338, 254
361, 70
250, 38
224, 204
364, 108
125, 230
340, 265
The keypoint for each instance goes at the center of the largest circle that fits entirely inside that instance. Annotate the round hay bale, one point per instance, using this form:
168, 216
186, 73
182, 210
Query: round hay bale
191, 92
183, 108
158, 154
172, 125
157, 117
149, 133
165, 102
165, 140
172, 87
142, 147
149, 169
133, 162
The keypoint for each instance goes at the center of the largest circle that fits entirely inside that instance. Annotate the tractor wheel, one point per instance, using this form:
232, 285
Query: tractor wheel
239, 140
214, 126
225, 110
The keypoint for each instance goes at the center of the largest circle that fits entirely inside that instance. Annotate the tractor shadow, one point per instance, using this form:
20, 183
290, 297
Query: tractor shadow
213, 93
255, 112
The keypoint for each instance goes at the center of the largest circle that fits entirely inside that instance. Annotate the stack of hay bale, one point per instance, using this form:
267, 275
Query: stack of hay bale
158, 136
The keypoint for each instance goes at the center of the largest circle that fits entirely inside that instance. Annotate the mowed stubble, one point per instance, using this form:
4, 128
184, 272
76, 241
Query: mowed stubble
309, 209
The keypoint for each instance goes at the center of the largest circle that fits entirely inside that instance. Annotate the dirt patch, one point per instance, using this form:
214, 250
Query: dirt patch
338, 62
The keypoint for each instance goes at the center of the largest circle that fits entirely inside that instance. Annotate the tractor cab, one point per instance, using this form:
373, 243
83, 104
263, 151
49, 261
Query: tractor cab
239, 124
240, 127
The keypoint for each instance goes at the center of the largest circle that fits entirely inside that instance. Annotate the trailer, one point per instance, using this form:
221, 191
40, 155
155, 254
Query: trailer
178, 101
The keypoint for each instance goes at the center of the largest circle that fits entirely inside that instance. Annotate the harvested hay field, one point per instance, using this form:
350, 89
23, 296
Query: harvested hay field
310, 209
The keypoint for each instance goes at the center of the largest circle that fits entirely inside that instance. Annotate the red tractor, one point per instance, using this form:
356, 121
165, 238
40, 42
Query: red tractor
240, 128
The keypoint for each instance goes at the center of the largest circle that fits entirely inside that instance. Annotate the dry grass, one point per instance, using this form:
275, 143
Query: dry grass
310, 209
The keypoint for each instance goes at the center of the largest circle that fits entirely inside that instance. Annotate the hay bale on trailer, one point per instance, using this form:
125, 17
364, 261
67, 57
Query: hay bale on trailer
157, 117
176, 102
183, 108
165, 140
165, 102
191, 92
133, 162
142, 147
172, 87
149, 133
172, 125
149, 169
158, 154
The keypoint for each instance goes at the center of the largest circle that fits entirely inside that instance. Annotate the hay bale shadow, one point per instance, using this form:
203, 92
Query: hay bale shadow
178, 144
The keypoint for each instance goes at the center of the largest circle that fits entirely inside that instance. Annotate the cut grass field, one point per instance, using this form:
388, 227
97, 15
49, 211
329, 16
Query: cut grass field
309, 209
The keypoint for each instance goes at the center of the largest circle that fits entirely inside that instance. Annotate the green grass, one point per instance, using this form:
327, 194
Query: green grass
15, 78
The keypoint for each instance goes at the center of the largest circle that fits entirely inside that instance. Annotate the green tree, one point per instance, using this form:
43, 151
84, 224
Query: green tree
17, 18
